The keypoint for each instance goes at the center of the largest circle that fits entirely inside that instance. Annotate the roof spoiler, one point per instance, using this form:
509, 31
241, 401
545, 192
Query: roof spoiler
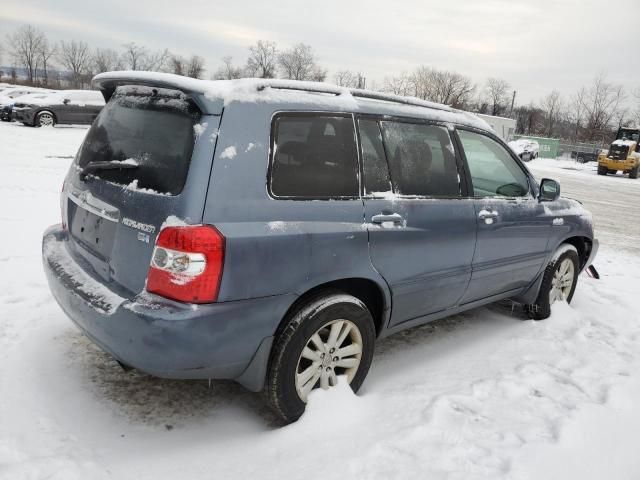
195, 89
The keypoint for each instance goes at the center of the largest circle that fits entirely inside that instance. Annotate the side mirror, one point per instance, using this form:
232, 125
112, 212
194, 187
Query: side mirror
65, 101
549, 190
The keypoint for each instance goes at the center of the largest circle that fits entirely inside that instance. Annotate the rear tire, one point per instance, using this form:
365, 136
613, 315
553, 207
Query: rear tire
298, 363
633, 173
602, 170
558, 283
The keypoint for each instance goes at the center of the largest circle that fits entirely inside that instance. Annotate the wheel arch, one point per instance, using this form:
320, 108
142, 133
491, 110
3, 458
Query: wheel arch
45, 110
583, 245
371, 293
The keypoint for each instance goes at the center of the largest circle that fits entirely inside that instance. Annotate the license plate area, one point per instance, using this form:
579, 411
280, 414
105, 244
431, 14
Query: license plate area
92, 231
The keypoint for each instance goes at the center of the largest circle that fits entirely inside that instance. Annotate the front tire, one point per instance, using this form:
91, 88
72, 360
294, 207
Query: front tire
633, 173
602, 170
558, 282
330, 334
45, 119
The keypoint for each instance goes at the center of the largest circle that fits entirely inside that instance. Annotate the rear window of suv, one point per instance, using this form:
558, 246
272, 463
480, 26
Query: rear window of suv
151, 128
313, 156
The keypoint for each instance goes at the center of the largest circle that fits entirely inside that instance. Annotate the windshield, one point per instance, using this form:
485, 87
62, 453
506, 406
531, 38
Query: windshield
150, 128
629, 135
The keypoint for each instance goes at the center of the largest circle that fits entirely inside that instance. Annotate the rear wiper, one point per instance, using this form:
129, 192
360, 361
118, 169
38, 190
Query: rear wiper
95, 166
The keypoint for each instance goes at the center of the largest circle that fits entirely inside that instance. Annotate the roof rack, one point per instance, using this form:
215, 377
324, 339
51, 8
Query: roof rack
318, 87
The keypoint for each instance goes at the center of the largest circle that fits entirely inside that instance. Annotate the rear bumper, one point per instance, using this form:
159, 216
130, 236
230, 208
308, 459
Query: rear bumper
229, 340
624, 165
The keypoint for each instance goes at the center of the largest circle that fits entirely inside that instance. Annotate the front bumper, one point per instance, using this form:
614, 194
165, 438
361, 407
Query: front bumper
24, 115
5, 113
229, 340
595, 245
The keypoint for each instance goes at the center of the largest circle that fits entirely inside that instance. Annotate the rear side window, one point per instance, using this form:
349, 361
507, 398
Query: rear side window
493, 171
421, 159
149, 128
314, 156
374, 161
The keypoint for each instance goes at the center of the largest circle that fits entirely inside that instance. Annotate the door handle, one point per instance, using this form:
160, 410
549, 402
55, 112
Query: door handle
384, 218
487, 215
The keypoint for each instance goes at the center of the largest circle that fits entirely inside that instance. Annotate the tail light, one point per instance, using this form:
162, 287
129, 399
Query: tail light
187, 263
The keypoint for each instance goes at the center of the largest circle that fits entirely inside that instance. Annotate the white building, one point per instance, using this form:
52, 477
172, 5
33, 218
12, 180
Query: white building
505, 128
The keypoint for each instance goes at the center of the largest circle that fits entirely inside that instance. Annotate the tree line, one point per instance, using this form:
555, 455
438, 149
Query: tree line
591, 114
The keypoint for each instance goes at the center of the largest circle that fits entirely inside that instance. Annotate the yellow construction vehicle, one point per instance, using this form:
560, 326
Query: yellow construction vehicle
623, 155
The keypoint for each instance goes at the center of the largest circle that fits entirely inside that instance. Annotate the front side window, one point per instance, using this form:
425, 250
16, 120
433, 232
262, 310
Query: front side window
421, 159
493, 171
314, 156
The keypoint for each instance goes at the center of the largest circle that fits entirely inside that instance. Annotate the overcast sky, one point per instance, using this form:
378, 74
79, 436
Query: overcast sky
536, 45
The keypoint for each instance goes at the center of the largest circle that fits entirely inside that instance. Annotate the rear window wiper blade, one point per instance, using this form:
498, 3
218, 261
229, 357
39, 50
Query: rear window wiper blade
113, 165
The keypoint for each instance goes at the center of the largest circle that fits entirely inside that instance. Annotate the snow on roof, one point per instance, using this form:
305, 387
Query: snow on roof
625, 143
220, 93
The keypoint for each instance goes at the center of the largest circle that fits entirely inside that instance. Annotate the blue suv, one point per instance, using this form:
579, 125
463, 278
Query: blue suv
270, 231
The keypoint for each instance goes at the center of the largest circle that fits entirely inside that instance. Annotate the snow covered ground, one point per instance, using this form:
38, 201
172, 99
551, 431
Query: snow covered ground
479, 395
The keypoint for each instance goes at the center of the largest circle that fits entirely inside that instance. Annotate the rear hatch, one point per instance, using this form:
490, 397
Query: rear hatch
140, 164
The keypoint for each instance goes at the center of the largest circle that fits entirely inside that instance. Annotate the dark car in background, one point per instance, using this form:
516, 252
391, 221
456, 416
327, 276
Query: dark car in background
9, 95
68, 107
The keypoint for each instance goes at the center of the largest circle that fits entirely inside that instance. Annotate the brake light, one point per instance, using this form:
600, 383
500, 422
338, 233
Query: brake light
187, 264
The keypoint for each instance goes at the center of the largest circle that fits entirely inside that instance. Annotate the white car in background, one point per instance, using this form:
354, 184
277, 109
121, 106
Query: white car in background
525, 148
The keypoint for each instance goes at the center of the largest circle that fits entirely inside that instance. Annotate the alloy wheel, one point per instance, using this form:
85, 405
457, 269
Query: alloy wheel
334, 349
45, 119
562, 281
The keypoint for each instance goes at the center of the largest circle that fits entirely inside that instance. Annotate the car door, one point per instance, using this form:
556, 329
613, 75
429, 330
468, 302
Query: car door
63, 107
421, 232
513, 229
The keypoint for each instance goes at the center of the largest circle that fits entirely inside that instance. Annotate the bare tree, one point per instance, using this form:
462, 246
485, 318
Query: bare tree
263, 60
25, 45
398, 85
299, 63
134, 56
178, 64
47, 51
75, 57
227, 71
318, 74
106, 60
576, 112
137, 57
552, 106
156, 61
530, 120
195, 66
497, 91
601, 104
349, 79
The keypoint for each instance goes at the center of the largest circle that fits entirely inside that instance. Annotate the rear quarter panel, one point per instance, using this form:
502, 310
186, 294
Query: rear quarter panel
276, 246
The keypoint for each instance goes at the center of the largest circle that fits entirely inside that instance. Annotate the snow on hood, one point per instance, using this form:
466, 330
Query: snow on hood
40, 99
